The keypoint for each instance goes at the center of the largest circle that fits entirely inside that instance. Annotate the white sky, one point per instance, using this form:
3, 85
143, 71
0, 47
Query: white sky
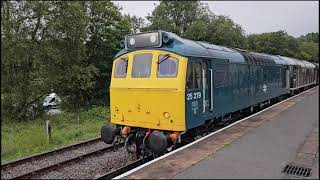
295, 17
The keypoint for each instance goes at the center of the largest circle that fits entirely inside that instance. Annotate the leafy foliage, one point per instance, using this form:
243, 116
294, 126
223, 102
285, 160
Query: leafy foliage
194, 20
67, 47
305, 47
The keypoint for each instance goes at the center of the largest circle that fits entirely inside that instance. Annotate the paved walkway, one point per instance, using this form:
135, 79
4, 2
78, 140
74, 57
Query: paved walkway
292, 137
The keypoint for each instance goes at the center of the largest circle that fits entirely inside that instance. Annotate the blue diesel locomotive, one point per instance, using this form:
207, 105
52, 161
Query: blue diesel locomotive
165, 88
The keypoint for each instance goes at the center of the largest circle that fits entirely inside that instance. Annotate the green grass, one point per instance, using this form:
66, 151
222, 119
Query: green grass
19, 139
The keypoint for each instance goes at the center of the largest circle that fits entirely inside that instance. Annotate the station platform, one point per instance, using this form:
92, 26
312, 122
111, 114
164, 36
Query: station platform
259, 147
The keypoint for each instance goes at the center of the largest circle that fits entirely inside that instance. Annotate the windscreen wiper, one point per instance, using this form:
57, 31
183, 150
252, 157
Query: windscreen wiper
165, 57
125, 60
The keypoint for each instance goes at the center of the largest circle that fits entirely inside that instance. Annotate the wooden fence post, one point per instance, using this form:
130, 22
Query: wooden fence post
48, 127
11, 135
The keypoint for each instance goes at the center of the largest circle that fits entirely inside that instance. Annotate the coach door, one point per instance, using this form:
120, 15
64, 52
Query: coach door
287, 79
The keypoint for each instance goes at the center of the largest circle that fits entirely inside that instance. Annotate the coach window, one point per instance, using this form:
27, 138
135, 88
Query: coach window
121, 68
141, 66
167, 67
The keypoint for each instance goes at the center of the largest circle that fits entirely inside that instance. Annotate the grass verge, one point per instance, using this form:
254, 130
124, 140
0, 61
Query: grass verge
19, 139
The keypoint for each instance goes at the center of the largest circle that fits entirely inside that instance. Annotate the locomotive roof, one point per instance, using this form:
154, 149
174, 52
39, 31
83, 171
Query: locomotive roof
190, 48
290, 61
186, 47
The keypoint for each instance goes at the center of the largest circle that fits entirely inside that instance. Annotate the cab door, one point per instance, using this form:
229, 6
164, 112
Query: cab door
199, 97
207, 86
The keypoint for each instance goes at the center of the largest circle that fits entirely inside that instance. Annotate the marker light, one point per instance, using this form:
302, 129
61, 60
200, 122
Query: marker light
166, 115
166, 39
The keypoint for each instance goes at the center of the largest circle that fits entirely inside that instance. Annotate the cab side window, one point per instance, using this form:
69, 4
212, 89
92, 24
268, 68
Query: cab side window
194, 75
121, 68
197, 75
190, 76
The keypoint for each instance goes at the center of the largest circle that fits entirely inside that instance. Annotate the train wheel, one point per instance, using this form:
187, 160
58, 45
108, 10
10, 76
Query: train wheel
130, 145
116, 143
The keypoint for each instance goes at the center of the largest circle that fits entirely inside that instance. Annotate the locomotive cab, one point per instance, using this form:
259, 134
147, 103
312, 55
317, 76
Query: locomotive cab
147, 93
147, 90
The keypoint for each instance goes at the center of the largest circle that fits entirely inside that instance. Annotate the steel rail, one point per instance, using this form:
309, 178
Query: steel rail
126, 168
64, 163
48, 153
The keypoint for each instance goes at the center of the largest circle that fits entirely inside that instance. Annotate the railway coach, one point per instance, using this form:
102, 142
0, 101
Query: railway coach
302, 74
164, 88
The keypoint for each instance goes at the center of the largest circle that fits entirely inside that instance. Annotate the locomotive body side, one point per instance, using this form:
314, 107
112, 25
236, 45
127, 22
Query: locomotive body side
229, 87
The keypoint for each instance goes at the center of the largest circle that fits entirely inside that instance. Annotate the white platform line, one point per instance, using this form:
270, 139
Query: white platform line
194, 142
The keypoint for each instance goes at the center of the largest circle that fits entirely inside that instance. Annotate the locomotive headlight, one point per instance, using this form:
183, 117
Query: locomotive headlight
153, 38
166, 115
132, 41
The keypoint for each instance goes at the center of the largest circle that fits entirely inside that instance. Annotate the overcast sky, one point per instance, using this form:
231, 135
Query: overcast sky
295, 17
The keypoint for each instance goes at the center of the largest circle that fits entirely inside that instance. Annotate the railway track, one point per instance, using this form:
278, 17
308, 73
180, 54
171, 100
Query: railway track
36, 162
125, 168
50, 168
60, 168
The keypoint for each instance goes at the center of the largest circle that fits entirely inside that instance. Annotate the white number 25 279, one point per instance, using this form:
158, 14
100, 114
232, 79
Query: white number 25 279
196, 95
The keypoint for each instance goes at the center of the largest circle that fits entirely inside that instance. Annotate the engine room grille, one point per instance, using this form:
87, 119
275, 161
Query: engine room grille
297, 170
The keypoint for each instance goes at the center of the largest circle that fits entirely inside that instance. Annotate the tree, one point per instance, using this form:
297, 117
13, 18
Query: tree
280, 43
64, 46
309, 51
310, 37
175, 16
277, 43
105, 30
194, 20
23, 30
136, 23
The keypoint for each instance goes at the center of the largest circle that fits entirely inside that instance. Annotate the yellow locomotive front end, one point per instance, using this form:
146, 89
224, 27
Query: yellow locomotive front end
147, 90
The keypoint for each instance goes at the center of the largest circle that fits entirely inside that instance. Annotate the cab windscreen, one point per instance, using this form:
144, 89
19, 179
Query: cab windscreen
143, 40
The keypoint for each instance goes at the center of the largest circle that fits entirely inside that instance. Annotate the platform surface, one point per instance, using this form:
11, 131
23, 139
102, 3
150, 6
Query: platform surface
259, 147
264, 152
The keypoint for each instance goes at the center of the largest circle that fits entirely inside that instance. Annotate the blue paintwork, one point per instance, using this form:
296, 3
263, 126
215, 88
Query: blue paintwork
240, 92
189, 48
245, 82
